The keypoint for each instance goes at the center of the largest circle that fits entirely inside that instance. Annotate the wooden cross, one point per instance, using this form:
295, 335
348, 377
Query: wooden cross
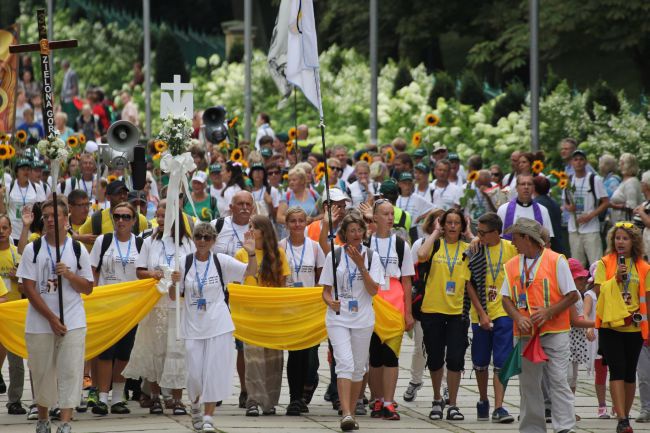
44, 46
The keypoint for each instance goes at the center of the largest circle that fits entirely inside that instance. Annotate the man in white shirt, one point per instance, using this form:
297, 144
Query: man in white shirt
263, 128
444, 195
524, 206
231, 229
87, 180
55, 347
341, 153
418, 207
585, 200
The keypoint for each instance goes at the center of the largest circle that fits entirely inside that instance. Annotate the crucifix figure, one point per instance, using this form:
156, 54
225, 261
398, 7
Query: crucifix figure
44, 46
181, 102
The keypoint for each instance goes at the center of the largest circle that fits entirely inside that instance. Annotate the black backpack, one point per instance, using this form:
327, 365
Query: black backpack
188, 264
218, 224
106, 243
13, 182
337, 257
76, 247
420, 282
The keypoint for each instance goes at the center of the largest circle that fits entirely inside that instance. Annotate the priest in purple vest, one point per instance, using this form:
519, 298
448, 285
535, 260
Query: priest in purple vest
524, 206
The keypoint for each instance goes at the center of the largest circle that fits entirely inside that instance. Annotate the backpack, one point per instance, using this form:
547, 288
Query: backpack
106, 243
76, 247
96, 223
218, 224
399, 228
337, 257
188, 264
13, 182
420, 282
592, 190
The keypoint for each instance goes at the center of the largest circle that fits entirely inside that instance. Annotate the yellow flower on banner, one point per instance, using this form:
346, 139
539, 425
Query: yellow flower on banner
563, 183
4, 152
82, 138
12, 152
537, 167
206, 214
233, 122
365, 156
431, 119
237, 155
21, 136
390, 155
111, 178
416, 139
160, 146
292, 133
472, 176
73, 141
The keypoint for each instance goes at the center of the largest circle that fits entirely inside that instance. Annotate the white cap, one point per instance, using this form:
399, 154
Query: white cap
200, 176
337, 195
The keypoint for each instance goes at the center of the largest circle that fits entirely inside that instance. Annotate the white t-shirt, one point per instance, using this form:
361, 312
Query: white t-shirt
18, 197
347, 172
527, 212
118, 264
214, 319
263, 130
358, 193
303, 261
356, 302
87, 186
230, 238
564, 278
415, 205
445, 198
585, 203
46, 281
156, 253
258, 196
216, 192
389, 259
415, 247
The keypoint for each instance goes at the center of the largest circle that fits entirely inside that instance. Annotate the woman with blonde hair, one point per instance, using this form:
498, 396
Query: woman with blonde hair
362, 189
264, 366
621, 279
299, 194
628, 194
607, 165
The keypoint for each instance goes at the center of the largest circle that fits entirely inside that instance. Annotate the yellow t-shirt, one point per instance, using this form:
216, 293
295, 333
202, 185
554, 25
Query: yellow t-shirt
444, 291
242, 256
76, 227
107, 224
9, 262
493, 288
633, 289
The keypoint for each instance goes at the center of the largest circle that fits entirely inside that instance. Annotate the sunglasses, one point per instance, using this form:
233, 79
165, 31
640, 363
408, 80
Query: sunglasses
495, 174
272, 173
203, 237
122, 216
339, 169
624, 224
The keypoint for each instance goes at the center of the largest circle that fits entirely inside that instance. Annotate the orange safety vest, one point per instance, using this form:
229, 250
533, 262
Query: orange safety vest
642, 267
313, 233
542, 292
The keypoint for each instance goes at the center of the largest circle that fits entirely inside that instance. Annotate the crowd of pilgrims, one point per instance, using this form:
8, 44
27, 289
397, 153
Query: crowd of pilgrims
400, 234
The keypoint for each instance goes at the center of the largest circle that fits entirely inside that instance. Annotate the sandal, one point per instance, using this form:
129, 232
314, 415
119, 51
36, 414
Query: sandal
179, 408
436, 410
269, 412
156, 407
253, 410
453, 414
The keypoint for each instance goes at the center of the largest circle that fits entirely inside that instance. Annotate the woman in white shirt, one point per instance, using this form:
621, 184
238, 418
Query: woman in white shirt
350, 330
113, 260
363, 188
207, 327
306, 261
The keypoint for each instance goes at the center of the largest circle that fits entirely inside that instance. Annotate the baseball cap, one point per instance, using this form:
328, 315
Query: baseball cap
389, 187
215, 168
453, 157
200, 176
527, 226
579, 152
135, 196
282, 136
266, 152
337, 195
115, 187
405, 175
23, 162
420, 153
257, 166
439, 147
422, 167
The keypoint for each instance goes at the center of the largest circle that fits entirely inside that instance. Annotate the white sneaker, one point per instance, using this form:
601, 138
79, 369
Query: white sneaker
197, 419
208, 427
32, 415
644, 416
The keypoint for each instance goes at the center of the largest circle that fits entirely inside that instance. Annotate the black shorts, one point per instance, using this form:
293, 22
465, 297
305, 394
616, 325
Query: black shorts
121, 350
445, 340
380, 354
621, 352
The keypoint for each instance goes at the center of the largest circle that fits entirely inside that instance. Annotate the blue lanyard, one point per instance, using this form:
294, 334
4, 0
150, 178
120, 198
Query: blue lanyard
390, 244
123, 259
201, 281
451, 266
235, 235
626, 283
406, 208
168, 259
351, 275
495, 275
261, 197
24, 196
49, 253
293, 257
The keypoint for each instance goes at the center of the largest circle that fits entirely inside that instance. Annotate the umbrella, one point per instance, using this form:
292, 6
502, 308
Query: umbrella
512, 366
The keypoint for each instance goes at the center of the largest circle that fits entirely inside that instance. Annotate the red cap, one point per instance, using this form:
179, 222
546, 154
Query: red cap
577, 270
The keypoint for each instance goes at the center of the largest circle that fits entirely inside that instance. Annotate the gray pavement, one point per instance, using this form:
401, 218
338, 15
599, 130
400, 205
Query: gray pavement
322, 418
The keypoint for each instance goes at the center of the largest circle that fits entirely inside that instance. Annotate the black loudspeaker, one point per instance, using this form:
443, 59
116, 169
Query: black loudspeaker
138, 168
216, 126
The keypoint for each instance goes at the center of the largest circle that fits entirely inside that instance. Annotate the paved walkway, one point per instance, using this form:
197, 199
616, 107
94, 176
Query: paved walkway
322, 418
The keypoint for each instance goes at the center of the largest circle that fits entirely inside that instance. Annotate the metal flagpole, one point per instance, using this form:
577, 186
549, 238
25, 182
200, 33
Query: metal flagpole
248, 17
296, 148
146, 18
534, 74
373, 72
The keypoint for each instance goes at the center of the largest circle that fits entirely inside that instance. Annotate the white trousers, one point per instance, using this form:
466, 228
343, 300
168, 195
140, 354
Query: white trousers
643, 371
351, 351
210, 365
419, 360
586, 247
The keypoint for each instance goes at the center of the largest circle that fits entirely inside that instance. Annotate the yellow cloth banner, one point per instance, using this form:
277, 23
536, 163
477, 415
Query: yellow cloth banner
294, 318
111, 312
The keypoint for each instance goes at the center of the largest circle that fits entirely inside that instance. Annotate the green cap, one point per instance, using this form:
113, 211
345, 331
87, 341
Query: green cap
422, 167
266, 152
215, 168
389, 187
23, 162
453, 157
257, 166
405, 175
420, 153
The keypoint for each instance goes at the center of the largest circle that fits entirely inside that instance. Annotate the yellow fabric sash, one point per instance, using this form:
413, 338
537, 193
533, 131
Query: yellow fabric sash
275, 318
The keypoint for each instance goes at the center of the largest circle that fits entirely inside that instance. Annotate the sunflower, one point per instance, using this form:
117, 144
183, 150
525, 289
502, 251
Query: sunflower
21, 136
12, 152
244, 163
431, 119
285, 177
237, 155
111, 178
319, 170
82, 138
390, 155
563, 183
537, 167
416, 139
365, 156
563, 175
555, 173
160, 146
293, 133
72, 141
4, 152
4, 137
290, 146
156, 156
472, 176
233, 122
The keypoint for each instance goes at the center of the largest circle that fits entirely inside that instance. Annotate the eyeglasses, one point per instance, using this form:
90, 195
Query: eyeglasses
122, 216
484, 232
272, 173
80, 204
624, 224
203, 237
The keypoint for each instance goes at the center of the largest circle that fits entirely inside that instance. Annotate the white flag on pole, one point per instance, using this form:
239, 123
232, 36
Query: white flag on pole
302, 52
277, 57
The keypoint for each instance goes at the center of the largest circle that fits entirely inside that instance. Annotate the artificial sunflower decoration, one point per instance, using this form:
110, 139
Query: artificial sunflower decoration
472, 176
21, 136
537, 167
12, 152
160, 146
365, 156
72, 141
293, 133
290, 146
237, 155
4, 137
431, 119
555, 173
416, 139
111, 178
563, 183
319, 170
156, 156
390, 155
563, 175
285, 176
4, 152
82, 138
233, 122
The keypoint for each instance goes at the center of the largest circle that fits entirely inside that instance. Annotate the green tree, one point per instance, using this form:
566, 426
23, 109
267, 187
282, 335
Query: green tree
169, 58
444, 87
471, 90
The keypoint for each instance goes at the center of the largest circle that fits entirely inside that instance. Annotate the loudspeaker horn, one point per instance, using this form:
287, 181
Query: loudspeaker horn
216, 126
123, 136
